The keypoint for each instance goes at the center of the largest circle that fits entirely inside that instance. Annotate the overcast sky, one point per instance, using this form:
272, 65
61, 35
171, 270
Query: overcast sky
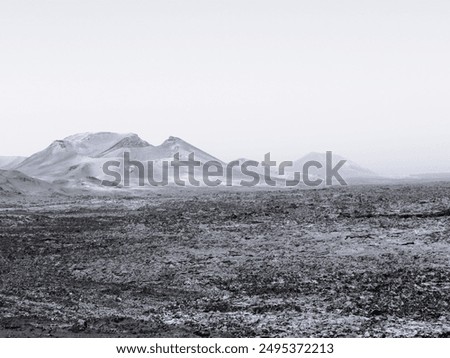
369, 80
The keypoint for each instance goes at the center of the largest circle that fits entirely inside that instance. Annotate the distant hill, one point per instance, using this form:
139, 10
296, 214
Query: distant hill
15, 182
431, 177
10, 162
350, 171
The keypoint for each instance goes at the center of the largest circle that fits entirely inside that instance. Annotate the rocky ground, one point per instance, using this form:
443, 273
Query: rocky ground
368, 261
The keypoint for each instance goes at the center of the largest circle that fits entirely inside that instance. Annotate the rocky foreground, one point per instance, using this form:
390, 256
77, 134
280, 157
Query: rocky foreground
341, 262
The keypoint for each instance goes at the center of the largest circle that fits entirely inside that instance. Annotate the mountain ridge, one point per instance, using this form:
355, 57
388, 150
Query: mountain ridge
80, 157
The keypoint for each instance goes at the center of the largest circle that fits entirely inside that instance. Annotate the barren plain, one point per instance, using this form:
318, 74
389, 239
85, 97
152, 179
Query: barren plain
363, 261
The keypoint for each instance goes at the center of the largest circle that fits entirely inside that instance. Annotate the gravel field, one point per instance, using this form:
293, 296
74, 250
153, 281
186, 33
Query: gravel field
367, 261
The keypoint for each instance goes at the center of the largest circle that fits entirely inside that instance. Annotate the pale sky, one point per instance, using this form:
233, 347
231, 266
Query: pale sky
369, 80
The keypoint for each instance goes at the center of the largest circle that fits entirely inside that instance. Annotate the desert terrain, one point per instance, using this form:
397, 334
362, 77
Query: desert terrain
361, 261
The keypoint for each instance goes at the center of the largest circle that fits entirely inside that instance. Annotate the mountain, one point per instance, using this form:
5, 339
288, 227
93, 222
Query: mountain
78, 156
99, 144
10, 162
77, 161
350, 171
15, 182
166, 151
174, 145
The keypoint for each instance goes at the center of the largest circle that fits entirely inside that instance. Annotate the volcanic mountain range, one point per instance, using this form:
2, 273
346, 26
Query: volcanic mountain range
77, 161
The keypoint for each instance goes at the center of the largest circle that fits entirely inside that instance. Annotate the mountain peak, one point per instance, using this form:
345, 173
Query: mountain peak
100, 143
173, 140
350, 169
173, 145
319, 156
98, 137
